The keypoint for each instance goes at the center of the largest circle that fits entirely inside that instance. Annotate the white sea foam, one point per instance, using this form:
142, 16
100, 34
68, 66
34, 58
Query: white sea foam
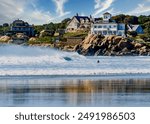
22, 60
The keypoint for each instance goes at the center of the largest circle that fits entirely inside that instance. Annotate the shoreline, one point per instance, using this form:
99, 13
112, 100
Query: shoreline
79, 77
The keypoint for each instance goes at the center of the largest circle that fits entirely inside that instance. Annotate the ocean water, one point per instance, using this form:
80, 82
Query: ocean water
36, 76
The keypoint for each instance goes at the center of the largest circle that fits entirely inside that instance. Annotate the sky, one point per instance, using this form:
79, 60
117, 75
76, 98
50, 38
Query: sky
45, 11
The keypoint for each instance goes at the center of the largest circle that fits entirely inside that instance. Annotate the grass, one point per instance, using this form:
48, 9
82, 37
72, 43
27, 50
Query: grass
75, 34
42, 40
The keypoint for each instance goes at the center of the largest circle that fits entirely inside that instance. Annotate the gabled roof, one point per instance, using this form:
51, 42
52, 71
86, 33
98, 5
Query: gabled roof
82, 17
133, 27
97, 19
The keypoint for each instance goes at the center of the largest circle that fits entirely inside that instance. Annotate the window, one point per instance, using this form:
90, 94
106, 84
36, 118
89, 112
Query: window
95, 26
105, 26
110, 32
109, 26
105, 17
87, 20
100, 26
114, 26
114, 32
104, 32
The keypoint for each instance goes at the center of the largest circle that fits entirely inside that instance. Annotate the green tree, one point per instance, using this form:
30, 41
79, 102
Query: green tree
132, 33
119, 18
143, 19
147, 29
131, 20
38, 29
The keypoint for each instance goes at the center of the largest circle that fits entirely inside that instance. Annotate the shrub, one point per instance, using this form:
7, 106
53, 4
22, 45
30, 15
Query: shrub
142, 36
132, 33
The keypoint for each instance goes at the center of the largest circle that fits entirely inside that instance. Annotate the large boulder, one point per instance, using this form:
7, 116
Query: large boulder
32, 39
125, 44
111, 37
110, 46
117, 39
76, 47
138, 45
92, 39
21, 35
88, 39
86, 46
4, 38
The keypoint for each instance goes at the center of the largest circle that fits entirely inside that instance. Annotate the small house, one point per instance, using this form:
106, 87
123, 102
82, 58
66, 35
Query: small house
136, 28
19, 26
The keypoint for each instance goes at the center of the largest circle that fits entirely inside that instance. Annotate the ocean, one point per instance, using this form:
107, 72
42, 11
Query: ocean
45, 77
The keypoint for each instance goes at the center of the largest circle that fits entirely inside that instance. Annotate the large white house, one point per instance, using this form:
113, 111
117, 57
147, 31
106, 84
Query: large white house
108, 26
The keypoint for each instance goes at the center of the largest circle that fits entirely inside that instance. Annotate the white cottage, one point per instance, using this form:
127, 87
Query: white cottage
108, 26
79, 23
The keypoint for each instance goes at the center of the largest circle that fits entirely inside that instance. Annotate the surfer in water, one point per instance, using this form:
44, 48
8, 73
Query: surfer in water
98, 61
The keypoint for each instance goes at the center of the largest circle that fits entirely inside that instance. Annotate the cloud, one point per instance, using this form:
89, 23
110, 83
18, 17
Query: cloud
113, 11
9, 9
23, 9
39, 17
60, 7
101, 6
141, 9
147, 0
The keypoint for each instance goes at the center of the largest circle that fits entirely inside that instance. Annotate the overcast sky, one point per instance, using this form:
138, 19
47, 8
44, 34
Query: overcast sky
45, 11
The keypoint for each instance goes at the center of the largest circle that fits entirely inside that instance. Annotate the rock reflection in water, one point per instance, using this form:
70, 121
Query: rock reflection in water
48, 92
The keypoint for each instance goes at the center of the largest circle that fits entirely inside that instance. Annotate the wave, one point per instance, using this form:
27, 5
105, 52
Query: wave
24, 60
21, 55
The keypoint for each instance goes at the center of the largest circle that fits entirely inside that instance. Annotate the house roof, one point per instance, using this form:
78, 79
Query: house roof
97, 19
133, 27
106, 13
82, 17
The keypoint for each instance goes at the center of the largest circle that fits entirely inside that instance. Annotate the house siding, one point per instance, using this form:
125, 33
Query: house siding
105, 27
108, 29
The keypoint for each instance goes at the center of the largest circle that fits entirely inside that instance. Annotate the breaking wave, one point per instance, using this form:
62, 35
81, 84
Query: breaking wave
24, 60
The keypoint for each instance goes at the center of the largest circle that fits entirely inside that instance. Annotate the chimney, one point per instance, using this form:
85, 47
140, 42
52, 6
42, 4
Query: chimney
77, 14
90, 16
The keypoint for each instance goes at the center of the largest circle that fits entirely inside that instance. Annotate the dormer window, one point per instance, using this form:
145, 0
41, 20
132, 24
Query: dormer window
87, 20
106, 16
82, 20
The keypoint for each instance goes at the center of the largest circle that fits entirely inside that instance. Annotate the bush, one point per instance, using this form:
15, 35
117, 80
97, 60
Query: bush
132, 33
42, 40
142, 36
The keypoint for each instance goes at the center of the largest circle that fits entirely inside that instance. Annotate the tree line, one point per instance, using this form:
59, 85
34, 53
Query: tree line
142, 20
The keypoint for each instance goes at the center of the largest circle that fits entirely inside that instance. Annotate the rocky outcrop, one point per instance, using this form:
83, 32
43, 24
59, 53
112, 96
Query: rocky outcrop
4, 39
110, 46
19, 38
33, 39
